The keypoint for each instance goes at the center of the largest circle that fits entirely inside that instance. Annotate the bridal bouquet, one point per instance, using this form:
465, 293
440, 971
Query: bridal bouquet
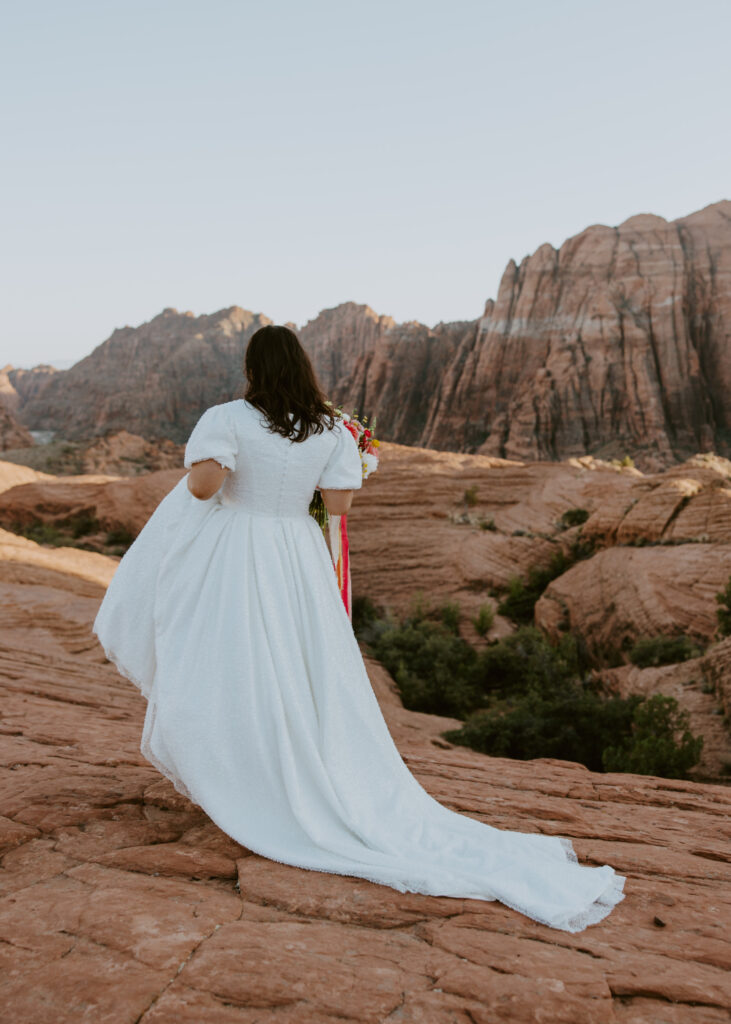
335, 527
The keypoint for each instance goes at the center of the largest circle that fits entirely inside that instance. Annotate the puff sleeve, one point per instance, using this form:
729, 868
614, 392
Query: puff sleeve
343, 470
213, 437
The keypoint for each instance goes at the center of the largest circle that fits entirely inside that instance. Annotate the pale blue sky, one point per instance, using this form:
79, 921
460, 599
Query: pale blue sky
289, 156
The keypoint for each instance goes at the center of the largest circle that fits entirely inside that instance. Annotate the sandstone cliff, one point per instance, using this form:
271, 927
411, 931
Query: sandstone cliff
616, 343
12, 433
153, 380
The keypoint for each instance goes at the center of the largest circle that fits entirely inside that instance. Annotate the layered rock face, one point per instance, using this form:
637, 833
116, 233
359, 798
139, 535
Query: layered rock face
153, 380
616, 342
18, 386
12, 433
386, 371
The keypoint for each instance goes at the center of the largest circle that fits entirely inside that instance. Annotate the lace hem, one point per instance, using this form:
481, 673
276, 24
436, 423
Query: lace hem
595, 912
146, 750
109, 654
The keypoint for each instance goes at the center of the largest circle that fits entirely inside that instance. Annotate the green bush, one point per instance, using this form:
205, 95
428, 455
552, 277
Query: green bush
470, 495
364, 613
42, 533
527, 661
574, 517
653, 746
484, 620
433, 667
573, 724
450, 615
522, 696
723, 612
120, 535
81, 524
663, 650
520, 600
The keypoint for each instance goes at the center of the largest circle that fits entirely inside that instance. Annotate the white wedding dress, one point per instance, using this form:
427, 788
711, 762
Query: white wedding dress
226, 614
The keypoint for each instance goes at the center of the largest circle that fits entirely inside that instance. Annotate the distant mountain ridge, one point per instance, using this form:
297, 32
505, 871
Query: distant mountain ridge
616, 343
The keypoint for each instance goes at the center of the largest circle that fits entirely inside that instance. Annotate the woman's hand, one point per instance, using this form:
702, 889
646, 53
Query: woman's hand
205, 478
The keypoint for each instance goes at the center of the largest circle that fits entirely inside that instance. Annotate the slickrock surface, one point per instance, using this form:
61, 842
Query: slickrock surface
123, 904
407, 536
613, 344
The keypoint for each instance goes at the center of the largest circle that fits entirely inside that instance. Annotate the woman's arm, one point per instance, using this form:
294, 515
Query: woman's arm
205, 478
337, 502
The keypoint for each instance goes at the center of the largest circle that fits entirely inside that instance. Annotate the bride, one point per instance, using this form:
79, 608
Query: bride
226, 613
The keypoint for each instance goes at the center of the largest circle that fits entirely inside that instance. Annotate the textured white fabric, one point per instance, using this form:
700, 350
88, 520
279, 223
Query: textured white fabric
226, 614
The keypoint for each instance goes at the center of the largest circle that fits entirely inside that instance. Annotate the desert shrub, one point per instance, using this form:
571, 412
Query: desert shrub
82, 523
470, 495
120, 535
522, 696
449, 614
520, 601
433, 667
573, 724
42, 533
663, 650
527, 661
723, 612
484, 620
488, 524
660, 742
364, 613
574, 517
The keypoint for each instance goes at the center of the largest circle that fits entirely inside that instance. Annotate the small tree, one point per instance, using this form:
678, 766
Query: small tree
653, 748
470, 495
484, 620
723, 612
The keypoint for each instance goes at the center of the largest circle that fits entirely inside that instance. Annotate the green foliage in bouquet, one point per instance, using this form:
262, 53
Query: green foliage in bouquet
318, 511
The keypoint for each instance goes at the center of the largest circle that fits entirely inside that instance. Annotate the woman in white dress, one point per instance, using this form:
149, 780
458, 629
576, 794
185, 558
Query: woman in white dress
226, 613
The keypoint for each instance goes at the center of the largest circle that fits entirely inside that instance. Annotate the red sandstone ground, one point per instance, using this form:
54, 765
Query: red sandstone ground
663, 550
122, 903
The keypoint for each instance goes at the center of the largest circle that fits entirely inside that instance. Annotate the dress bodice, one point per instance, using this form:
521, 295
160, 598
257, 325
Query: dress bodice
271, 475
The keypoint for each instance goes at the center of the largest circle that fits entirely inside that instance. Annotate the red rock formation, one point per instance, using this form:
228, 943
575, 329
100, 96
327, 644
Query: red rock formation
153, 380
411, 530
123, 902
389, 372
125, 454
614, 343
18, 386
12, 433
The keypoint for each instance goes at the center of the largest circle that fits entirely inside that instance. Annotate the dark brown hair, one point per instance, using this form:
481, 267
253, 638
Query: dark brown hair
282, 384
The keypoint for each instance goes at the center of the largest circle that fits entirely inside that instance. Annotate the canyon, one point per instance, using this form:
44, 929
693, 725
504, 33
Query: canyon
615, 344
